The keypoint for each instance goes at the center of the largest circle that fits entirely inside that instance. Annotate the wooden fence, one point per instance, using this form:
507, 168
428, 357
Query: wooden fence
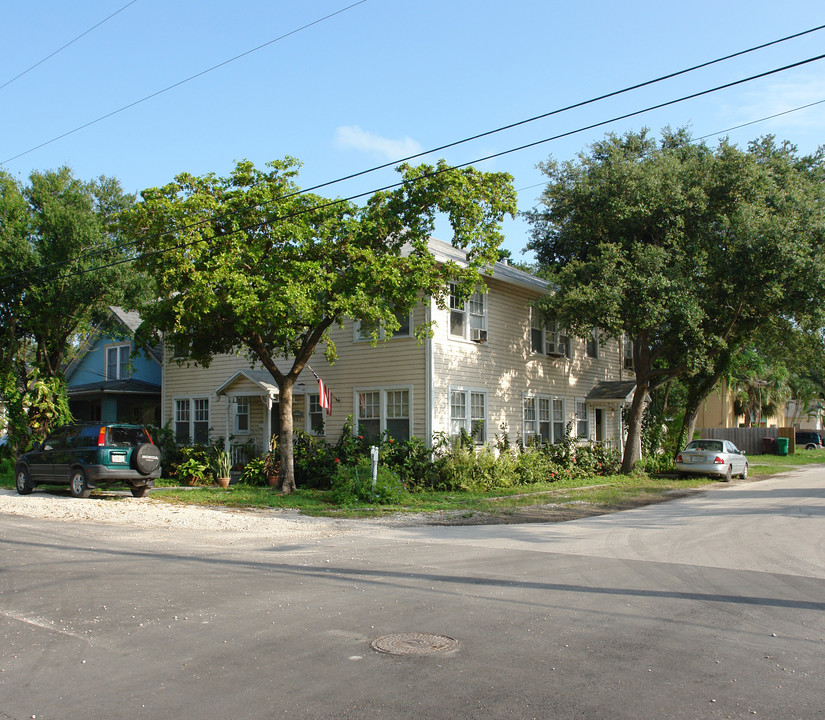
750, 439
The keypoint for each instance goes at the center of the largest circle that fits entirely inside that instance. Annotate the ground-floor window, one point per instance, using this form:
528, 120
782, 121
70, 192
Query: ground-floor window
192, 420
315, 415
468, 412
383, 410
582, 419
543, 417
240, 422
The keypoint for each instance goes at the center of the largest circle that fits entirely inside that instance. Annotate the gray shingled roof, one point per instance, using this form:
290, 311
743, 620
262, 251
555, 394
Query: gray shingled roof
612, 390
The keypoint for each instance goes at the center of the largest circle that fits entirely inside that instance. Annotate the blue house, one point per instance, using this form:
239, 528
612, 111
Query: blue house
106, 384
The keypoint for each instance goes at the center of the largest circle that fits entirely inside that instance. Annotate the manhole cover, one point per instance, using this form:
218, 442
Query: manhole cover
414, 644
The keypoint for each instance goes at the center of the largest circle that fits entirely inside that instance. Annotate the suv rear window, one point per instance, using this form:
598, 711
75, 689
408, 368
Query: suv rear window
126, 436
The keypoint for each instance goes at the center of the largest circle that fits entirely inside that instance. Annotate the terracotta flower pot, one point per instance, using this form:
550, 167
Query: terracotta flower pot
223, 482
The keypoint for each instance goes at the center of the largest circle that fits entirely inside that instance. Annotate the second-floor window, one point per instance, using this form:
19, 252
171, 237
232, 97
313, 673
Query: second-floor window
117, 362
627, 353
548, 338
364, 331
592, 343
468, 319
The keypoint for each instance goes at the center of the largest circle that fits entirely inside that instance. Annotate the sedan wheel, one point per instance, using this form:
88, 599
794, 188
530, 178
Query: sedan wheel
729, 473
744, 474
23, 481
78, 485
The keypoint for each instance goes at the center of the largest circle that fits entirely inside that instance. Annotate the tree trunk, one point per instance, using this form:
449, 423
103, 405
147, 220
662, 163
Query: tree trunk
286, 476
633, 444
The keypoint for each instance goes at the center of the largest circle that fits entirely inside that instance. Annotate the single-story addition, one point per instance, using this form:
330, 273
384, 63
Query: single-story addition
106, 384
490, 368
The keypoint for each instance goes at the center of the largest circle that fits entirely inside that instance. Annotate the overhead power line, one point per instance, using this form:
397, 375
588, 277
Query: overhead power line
339, 201
502, 128
71, 42
183, 82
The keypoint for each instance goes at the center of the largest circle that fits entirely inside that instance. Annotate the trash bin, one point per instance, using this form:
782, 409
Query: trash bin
781, 446
767, 446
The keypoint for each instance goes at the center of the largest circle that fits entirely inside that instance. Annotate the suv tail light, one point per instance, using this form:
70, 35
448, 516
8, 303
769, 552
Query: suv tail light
101, 437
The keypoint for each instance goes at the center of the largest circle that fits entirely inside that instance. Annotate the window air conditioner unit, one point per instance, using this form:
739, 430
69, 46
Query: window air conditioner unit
478, 335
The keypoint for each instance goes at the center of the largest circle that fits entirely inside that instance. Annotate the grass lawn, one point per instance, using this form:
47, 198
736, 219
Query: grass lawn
610, 492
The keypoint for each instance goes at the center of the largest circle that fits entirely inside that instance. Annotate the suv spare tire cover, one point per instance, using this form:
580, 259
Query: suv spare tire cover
146, 458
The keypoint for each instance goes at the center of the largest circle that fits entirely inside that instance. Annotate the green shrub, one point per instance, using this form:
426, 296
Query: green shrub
353, 485
475, 470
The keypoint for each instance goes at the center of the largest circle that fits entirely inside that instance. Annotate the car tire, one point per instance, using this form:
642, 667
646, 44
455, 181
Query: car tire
79, 484
744, 473
146, 458
729, 473
139, 491
23, 481
810, 446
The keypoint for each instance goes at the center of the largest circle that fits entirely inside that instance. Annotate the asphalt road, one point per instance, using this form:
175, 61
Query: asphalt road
711, 606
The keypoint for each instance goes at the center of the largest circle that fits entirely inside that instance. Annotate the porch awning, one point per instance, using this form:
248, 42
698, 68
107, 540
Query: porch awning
114, 387
260, 378
612, 392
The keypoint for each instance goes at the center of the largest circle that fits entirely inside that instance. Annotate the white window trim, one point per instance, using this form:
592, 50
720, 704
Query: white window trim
118, 347
468, 393
382, 405
551, 399
382, 333
476, 335
191, 400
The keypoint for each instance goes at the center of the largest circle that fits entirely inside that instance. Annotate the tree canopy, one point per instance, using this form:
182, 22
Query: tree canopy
59, 250
684, 249
248, 263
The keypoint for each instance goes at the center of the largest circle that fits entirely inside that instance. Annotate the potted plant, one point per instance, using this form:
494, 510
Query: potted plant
272, 467
223, 466
191, 471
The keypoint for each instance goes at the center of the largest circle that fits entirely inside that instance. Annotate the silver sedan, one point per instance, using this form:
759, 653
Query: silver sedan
712, 457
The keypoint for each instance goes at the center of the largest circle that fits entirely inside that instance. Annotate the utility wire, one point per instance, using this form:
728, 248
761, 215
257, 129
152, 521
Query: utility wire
182, 82
457, 142
718, 132
71, 42
494, 131
339, 201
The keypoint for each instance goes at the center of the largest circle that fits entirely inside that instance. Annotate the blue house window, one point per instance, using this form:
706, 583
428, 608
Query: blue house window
117, 362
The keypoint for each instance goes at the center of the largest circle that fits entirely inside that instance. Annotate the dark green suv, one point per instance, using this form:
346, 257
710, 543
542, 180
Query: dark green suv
90, 456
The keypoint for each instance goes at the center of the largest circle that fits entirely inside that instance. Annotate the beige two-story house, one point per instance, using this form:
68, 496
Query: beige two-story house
490, 367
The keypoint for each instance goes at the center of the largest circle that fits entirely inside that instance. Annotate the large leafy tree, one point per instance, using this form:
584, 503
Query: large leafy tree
247, 263
60, 263
683, 249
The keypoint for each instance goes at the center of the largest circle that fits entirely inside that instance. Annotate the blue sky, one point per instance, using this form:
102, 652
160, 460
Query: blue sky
382, 79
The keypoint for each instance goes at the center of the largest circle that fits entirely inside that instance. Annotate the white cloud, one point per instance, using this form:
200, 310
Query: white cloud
352, 137
781, 97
